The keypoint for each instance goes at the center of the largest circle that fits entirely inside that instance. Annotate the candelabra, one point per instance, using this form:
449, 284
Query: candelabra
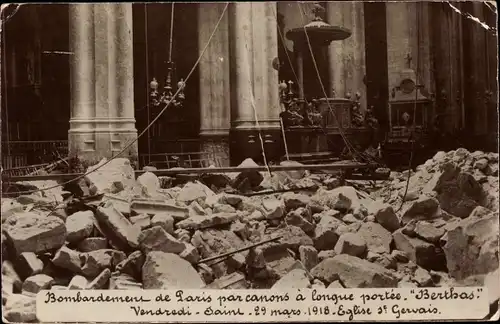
166, 97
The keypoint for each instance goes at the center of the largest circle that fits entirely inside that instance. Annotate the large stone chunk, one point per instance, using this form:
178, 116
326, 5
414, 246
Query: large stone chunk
326, 232
117, 228
68, 259
247, 179
154, 207
28, 264
419, 251
428, 232
458, 192
92, 244
132, 265
295, 279
377, 238
292, 237
194, 191
157, 239
308, 256
106, 176
385, 216
342, 198
165, 221
273, 208
472, 247
36, 283
423, 208
169, 271
354, 272
79, 225
350, 243
211, 242
201, 222
294, 201
296, 218
97, 261
150, 181
30, 232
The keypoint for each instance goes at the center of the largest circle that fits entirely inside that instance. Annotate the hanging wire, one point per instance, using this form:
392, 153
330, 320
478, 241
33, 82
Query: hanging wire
146, 24
412, 134
150, 124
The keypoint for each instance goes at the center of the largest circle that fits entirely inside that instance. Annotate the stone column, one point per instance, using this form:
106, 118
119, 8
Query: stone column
254, 82
215, 104
347, 57
102, 121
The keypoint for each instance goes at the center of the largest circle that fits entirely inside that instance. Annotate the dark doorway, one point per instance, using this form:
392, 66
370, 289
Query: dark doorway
376, 79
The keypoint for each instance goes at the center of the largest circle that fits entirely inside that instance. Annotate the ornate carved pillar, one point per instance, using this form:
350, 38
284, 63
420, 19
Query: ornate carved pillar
215, 104
102, 97
347, 57
254, 82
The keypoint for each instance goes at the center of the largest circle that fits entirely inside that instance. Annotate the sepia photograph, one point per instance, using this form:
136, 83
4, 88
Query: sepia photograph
276, 146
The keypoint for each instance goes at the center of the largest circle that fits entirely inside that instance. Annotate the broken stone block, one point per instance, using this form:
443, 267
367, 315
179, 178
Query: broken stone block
350, 219
479, 212
295, 218
421, 209
481, 164
132, 265
295, 279
354, 272
428, 232
141, 221
342, 198
201, 222
350, 243
293, 201
104, 174
97, 261
240, 229
122, 281
220, 208
10, 207
472, 247
292, 237
9, 275
385, 260
325, 254
377, 238
20, 309
165, 221
28, 264
318, 284
30, 232
117, 228
190, 254
422, 278
195, 209
419, 251
273, 208
235, 280
93, 243
157, 239
68, 259
169, 271
335, 285
101, 281
119, 203
326, 233
150, 181
152, 207
78, 283
36, 283
194, 191
79, 225
385, 216
308, 256
212, 242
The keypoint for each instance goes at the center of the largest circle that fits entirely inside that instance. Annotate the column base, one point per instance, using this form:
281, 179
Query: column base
91, 146
245, 143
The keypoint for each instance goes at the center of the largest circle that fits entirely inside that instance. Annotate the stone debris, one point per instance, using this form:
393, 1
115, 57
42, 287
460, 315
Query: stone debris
152, 234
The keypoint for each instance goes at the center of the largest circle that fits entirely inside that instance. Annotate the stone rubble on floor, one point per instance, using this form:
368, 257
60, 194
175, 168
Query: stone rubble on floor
151, 233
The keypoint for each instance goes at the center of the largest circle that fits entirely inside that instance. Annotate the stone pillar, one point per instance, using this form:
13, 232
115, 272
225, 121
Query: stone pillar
102, 97
347, 57
215, 104
254, 82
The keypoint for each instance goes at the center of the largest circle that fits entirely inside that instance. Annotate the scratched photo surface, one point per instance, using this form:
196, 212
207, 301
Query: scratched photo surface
250, 145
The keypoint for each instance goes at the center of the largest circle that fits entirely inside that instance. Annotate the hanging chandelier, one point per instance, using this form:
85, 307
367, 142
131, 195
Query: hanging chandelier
166, 97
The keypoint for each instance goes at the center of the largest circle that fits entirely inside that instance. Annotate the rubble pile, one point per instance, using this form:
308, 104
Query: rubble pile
116, 232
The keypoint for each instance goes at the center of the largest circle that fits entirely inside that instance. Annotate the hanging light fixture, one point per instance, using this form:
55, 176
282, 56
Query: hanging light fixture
166, 96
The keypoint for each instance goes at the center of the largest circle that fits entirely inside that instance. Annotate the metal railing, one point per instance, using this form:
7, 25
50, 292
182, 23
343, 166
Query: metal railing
22, 154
